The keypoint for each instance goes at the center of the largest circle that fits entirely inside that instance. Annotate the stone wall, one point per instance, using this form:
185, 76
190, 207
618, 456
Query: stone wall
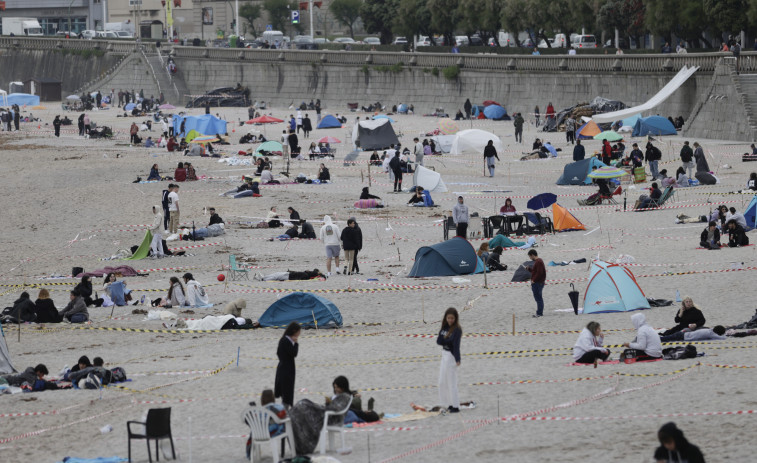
282, 83
133, 74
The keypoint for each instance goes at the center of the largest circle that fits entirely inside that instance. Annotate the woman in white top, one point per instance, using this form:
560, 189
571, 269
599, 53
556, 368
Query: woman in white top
175, 297
588, 347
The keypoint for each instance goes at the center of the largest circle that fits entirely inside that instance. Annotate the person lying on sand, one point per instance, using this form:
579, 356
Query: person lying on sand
289, 275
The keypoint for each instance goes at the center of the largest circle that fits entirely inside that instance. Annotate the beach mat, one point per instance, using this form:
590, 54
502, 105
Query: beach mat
415, 416
144, 248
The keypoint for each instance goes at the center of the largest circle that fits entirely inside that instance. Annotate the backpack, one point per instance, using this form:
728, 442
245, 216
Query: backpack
117, 375
679, 352
92, 381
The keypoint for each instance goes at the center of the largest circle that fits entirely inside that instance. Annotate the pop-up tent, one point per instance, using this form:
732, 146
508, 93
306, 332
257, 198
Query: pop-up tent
563, 220
6, 367
477, 111
206, 124
577, 173
628, 123
750, 214
304, 308
474, 141
495, 112
3, 98
443, 142
653, 125
329, 122
270, 146
522, 273
612, 288
22, 99
448, 258
374, 134
588, 131
430, 180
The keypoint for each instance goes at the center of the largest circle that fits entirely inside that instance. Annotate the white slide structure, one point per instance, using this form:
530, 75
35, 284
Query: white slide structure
679, 79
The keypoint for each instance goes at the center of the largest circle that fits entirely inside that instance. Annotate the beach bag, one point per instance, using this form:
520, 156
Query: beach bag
92, 381
628, 356
117, 375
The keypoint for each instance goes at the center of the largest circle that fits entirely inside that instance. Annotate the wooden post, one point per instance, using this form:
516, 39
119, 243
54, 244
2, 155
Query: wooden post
513, 323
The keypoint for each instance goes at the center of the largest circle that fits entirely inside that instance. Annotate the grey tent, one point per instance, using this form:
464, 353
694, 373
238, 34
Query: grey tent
350, 159
577, 173
522, 273
6, 367
376, 134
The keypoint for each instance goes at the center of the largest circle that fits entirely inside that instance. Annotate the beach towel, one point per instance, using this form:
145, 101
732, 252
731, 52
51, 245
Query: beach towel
123, 270
144, 248
415, 416
366, 203
504, 241
211, 322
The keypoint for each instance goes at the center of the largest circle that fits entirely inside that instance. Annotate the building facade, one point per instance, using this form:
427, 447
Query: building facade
56, 15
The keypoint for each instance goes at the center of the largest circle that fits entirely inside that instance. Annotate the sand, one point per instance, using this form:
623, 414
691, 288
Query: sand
70, 202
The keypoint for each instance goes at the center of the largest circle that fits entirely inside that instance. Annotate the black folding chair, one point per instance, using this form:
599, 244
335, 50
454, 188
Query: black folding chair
448, 224
537, 224
157, 426
496, 222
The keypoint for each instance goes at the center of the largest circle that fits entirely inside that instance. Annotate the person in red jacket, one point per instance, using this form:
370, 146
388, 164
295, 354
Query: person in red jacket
606, 152
538, 276
550, 112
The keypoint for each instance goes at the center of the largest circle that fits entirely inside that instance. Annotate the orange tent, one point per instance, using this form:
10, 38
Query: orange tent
563, 220
588, 130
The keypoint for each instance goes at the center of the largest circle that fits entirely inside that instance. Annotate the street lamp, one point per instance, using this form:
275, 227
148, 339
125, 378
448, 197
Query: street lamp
69, 17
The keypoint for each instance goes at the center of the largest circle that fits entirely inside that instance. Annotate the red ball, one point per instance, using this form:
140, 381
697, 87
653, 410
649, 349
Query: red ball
221, 277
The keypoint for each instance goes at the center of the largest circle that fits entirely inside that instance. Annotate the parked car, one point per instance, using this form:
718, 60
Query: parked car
304, 42
461, 40
89, 34
372, 41
106, 35
321, 40
560, 41
423, 41
124, 34
476, 41
344, 40
584, 41
622, 43
543, 43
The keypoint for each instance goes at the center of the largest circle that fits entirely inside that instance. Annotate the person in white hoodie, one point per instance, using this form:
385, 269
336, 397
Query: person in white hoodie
330, 236
647, 342
196, 295
156, 246
588, 348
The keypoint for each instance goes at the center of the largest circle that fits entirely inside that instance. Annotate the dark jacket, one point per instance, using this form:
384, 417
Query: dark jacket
686, 153
637, 157
451, 343
214, 219
307, 231
352, 238
285, 371
84, 288
684, 452
24, 309
324, 175
294, 217
737, 237
706, 233
307, 126
490, 151
28, 376
365, 195
294, 143
653, 153
395, 165
692, 315
494, 263
46, 311
579, 152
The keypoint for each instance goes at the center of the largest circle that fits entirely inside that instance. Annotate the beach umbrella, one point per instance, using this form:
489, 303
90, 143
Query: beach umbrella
272, 147
541, 201
607, 172
382, 116
573, 295
609, 135
167, 106
329, 140
264, 120
204, 139
73, 98
448, 126
129, 107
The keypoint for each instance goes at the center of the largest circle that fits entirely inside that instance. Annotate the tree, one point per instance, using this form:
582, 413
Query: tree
346, 12
444, 17
413, 18
513, 18
661, 17
379, 17
726, 15
482, 16
250, 13
278, 13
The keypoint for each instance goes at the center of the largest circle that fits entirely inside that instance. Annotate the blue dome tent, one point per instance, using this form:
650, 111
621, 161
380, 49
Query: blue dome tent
495, 112
329, 122
750, 214
612, 288
448, 258
206, 124
577, 173
653, 125
304, 308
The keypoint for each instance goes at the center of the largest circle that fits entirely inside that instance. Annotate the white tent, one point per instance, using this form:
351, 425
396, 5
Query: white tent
430, 180
443, 142
3, 98
474, 141
682, 76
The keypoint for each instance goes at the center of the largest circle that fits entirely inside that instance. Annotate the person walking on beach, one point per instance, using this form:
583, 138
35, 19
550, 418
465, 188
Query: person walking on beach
518, 123
56, 125
461, 217
330, 236
538, 277
396, 166
285, 370
418, 151
173, 210
449, 338
490, 152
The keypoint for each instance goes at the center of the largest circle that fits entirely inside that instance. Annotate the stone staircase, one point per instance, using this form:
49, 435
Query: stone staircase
173, 87
746, 85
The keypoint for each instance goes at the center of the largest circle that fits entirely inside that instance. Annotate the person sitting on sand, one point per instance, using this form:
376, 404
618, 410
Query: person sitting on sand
294, 216
647, 343
307, 231
273, 218
172, 145
22, 310
248, 188
307, 419
375, 160
292, 232
737, 216
588, 347
483, 252
76, 310
674, 447
45, 308
494, 260
666, 181
180, 174
289, 275
736, 235
364, 194
323, 173
85, 289
710, 237
154, 173
149, 143
682, 180
196, 294
191, 174
417, 196
175, 296
704, 334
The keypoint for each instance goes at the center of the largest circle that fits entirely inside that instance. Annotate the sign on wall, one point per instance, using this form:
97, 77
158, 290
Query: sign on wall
207, 16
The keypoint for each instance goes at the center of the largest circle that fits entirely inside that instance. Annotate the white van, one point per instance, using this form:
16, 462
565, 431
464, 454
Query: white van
273, 36
584, 41
561, 41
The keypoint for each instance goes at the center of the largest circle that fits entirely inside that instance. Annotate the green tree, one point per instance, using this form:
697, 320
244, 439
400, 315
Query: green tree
250, 13
278, 13
482, 16
346, 12
413, 17
444, 17
726, 15
661, 17
379, 17
513, 18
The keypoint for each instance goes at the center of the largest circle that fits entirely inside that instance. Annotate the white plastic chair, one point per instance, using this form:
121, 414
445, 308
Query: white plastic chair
258, 418
330, 430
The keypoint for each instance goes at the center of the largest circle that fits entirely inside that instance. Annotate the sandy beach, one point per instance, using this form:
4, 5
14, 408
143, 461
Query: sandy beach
70, 202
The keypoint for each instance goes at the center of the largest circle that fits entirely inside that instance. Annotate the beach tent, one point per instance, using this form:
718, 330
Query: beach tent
6, 367
430, 180
495, 112
443, 142
374, 134
522, 273
191, 135
577, 173
144, 248
384, 116
653, 125
474, 141
750, 214
448, 258
22, 99
563, 220
477, 111
305, 308
329, 122
402, 108
271, 146
3, 98
206, 124
588, 130
628, 123
612, 288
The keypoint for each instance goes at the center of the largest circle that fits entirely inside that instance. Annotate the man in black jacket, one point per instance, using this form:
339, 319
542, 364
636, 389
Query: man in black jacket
687, 158
710, 238
652, 156
30, 375
352, 242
